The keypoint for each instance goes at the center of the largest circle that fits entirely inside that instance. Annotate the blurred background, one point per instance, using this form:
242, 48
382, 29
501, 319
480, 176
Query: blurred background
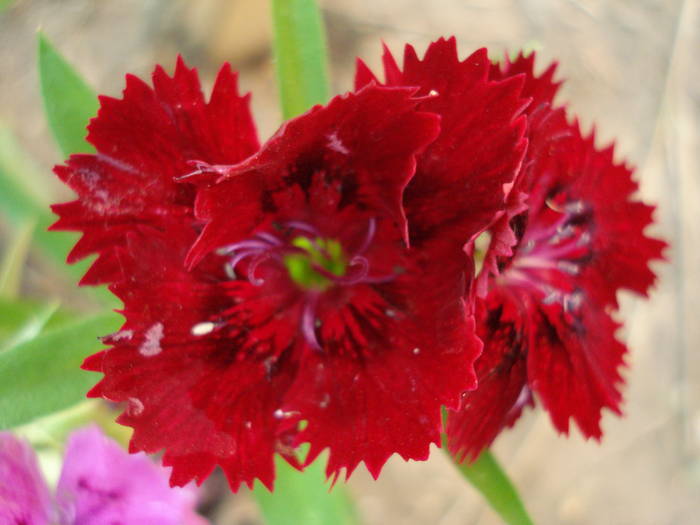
630, 67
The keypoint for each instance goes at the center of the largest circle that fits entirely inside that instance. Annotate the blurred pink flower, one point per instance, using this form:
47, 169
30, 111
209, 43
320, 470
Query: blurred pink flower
100, 484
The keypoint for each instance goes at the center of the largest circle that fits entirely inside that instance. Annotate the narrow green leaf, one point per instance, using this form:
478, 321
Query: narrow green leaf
13, 262
487, 476
32, 327
304, 498
68, 101
21, 184
21, 316
43, 375
21, 202
13, 314
17, 313
300, 52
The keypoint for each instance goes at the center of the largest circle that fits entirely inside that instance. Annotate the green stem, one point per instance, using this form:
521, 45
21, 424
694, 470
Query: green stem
487, 476
300, 53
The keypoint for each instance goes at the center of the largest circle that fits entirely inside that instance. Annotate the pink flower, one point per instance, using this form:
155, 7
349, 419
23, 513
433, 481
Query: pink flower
100, 484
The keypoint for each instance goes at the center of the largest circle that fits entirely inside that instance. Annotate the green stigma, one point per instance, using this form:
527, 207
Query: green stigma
326, 253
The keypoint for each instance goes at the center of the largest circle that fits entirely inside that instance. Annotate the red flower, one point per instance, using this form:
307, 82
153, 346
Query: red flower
316, 290
545, 297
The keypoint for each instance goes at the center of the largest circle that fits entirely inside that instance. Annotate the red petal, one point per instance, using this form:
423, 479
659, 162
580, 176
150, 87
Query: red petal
186, 392
175, 123
365, 140
502, 392
542, 89
622, 250
144, 141
363, 75
386, 370
548, 134
573, 366
480, 146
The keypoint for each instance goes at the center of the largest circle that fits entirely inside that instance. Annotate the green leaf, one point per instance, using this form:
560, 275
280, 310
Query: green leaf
487, 476
304, 498
300, 52
17, 314
21, 184
13, 261
32, 327
68, 101
43, 375
13, 314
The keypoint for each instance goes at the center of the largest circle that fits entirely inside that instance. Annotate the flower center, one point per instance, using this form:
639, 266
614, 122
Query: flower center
313, 262
319, 257
551, 254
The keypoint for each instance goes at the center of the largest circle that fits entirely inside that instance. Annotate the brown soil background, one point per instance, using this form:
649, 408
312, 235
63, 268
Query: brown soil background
630, 66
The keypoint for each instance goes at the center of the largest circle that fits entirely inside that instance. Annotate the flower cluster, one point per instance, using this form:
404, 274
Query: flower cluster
100, 483
322, 288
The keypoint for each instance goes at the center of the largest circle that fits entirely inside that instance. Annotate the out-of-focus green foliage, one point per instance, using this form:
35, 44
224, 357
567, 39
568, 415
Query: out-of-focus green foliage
304, 498
19, 316
13, 261
43, 375
300, 53
68, 100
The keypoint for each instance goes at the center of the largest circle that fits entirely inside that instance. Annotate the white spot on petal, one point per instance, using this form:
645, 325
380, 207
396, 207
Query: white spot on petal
203, 328
433, 93
335, 144
281, 414
123, 335
151, 341
134, 407
416, 351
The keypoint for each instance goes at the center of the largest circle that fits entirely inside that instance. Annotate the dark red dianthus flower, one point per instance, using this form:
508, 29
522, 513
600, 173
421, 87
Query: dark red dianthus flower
545, 298
312, 290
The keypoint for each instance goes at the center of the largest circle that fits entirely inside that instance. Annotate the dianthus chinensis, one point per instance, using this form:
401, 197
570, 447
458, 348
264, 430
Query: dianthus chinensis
316, 289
